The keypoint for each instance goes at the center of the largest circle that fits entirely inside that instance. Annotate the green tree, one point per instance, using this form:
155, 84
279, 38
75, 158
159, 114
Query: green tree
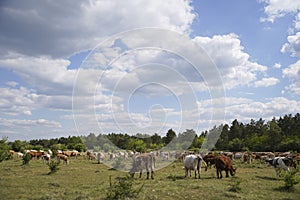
274, 136
169, 136
136, 145
236, 144
4, 148
19, 146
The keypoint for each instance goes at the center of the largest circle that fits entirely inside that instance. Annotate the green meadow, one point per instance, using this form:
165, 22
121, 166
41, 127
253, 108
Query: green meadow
84, 179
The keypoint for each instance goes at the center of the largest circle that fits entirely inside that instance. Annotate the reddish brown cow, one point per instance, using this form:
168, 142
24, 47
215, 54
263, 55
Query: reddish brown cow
36, 154
224, 163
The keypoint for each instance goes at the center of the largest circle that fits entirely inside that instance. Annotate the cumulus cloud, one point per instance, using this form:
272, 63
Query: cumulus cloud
293, 45
233, 62
266, 82
293, 74
277, 65
16, 101
245, 109
275, 9
60, 29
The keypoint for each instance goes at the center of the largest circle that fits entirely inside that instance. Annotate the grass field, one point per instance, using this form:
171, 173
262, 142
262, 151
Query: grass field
83, 179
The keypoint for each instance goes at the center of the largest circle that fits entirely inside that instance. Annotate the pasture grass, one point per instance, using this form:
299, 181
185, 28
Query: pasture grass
84, 179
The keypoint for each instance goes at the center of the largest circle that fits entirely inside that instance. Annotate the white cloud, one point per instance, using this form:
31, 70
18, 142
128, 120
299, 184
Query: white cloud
234, 64
293, 74
245, 109
63, 28
26, 129
275, 8
44, 74
293, 45
266, 82
16, 101
277, 65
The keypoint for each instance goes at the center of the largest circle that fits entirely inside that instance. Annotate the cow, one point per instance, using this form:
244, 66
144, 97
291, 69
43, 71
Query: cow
248, 157
99, 156
281, 163
46, 158
296, 158
35, 154
62, 157
193, 162
224, 163
210, 159
143, 161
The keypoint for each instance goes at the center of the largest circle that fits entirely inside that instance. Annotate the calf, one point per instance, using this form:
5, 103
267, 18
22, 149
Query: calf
193, 162
142, 161
281, 163
224, 163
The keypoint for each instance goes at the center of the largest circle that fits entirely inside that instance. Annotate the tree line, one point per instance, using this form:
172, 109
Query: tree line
282, 134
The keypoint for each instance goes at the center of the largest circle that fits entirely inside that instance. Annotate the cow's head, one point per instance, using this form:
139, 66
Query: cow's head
269, 161
232, 171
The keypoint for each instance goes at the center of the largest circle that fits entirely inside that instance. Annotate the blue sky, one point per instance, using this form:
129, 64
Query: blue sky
71, 68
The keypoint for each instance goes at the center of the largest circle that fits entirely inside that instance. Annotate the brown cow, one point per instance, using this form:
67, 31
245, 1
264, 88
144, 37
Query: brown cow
142, 161
36, 154
210, 159
62, 157
224, 163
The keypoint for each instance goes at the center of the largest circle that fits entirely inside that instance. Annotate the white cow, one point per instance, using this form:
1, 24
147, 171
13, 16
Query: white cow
193, 162
143, 161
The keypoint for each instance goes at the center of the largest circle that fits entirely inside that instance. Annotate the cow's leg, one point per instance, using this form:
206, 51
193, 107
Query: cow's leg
152, 174
131, 173
227, 175
148, 174
152, 171
217, 171
147, 170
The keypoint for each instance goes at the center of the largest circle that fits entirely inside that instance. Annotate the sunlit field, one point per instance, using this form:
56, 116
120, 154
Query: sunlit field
84, 179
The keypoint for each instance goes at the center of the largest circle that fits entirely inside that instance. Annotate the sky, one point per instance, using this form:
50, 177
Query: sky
75, 67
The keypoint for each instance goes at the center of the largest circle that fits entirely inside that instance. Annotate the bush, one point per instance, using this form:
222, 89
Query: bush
290, 179
119, 164
53, 166
4, 148
122, 189
26, 158
235, 185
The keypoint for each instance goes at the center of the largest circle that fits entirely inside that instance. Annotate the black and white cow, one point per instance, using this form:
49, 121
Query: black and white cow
281, 163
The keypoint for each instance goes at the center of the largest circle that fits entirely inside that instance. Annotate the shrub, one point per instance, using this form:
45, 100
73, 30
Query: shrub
53, 166
290, 179
4, 147
122, 189
119, 164
26, 158
235, 185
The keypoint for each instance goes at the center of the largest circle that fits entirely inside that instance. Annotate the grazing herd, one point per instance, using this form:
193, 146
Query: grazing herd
192, 163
